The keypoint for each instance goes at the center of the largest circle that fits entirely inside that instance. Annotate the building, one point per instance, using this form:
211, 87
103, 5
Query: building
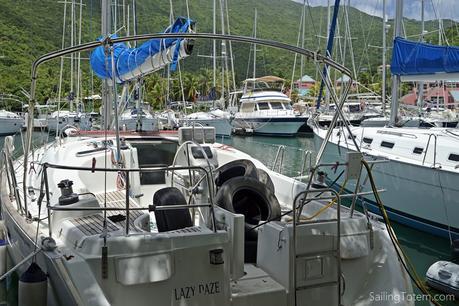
304, 85
446, 96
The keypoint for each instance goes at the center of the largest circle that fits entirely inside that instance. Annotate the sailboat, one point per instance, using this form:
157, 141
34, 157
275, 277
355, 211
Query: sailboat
10, 123
119, 218
422, 172
216, 117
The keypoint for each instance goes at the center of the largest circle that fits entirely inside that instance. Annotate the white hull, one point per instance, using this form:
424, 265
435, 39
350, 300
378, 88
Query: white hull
276, 126
9, 126
222, 126
170, 266
83, 123
147, 124
419, 196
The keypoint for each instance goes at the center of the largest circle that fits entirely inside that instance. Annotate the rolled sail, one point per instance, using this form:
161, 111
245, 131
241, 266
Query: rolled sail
418, 61
155, 54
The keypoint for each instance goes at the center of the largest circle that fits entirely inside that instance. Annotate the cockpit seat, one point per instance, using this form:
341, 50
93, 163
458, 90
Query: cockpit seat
174, 219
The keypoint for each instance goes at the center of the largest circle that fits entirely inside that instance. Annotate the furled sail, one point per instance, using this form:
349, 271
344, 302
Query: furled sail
417, 61
131, 63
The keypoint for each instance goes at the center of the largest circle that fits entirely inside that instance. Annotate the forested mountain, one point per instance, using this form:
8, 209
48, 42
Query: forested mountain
30, 28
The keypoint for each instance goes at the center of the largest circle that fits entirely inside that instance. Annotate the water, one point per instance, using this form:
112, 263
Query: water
423, 249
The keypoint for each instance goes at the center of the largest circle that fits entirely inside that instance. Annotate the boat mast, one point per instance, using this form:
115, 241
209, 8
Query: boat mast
420, 100
106, 90
303, 29
228, 31
255, 46
72, 56
224, 53
79, 76
395, 78
214, 46
330, 39
384, 50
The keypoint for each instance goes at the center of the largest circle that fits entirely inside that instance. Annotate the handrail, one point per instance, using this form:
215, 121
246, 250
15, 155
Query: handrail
305, 156
127, 208
109, 41
280, 153
427, 149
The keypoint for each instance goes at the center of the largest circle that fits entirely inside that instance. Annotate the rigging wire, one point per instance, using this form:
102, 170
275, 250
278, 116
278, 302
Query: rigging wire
404, 260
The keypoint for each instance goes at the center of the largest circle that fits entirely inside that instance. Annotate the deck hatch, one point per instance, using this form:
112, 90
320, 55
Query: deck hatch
387, 144
367, 140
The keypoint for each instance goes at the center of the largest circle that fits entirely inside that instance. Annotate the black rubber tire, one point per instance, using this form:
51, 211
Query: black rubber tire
169, 220
265, 179
251, 198
240, 167
250, 251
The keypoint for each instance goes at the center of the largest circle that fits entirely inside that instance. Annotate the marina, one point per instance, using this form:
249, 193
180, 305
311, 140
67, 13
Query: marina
283, 169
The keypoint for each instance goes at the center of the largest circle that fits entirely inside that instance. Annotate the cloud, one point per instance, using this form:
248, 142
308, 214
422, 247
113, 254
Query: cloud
433, 9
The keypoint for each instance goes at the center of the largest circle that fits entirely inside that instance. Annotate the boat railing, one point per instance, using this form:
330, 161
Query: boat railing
434, 152
13, 185
45, 192
279, 159
306, 164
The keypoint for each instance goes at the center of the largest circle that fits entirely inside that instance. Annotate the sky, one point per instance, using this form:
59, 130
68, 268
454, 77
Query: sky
446, 9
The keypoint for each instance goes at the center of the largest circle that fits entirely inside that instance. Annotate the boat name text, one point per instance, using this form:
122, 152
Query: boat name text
203, 289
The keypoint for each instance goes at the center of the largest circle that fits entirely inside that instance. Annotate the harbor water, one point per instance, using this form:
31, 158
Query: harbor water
423, 249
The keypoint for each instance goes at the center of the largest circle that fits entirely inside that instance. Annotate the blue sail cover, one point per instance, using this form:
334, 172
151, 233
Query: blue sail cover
148, 57
416, 58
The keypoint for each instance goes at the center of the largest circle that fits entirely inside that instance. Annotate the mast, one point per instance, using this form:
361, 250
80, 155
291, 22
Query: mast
303, 29
78, 89
420, 100
106, 90
255, 46
384, 50
395, 78
224, 52
72, 56
214, 46
230, 49
331, 36
134, 19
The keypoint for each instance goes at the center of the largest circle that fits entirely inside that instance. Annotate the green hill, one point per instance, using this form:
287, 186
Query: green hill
30, 28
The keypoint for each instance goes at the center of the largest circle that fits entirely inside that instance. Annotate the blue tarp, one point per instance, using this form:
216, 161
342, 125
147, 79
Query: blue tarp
416, 58
128, 59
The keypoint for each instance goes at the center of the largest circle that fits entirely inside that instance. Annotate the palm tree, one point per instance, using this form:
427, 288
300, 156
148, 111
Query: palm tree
191, 85
205, 81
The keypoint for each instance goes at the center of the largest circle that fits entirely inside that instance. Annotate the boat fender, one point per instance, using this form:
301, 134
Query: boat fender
253, 199
70, 131
240, 167
33, 287
444, 276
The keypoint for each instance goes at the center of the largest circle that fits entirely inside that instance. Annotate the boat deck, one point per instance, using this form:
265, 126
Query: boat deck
116, 220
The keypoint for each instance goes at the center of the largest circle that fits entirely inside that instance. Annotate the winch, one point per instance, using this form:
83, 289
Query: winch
67, 195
